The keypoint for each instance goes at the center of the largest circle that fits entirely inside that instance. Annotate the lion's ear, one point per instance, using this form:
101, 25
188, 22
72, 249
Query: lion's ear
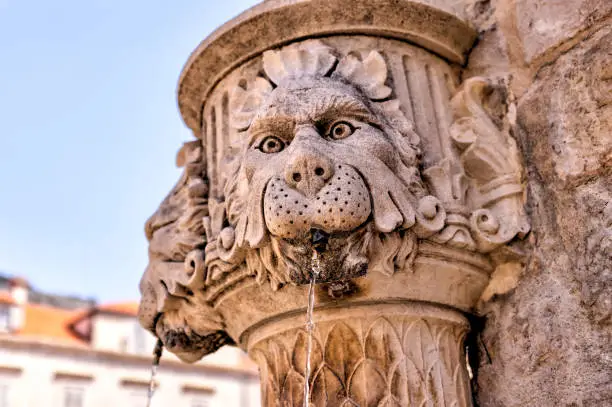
189, 152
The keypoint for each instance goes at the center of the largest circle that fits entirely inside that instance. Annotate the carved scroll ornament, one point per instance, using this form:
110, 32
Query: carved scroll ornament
491, 161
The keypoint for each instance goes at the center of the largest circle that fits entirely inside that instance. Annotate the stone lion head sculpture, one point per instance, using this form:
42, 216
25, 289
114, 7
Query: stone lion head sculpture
323, 147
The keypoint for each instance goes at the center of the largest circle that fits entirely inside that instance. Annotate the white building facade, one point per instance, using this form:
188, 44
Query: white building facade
101, 357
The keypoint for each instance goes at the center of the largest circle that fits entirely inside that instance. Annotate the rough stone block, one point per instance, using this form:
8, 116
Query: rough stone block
544, 24
547, 343
568, 112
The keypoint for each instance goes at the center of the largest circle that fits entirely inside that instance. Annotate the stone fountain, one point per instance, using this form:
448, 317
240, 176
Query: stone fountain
346, 119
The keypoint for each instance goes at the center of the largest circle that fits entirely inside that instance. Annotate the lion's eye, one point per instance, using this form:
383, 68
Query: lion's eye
271, 145
341, 130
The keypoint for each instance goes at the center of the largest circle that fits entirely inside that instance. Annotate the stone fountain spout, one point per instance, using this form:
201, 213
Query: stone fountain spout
320, 240
362, 148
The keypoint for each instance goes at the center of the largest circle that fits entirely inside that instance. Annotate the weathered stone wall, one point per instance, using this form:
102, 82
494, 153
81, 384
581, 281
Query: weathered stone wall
547, 343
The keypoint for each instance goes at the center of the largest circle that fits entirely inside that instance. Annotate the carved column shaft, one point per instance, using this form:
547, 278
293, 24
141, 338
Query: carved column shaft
404, 354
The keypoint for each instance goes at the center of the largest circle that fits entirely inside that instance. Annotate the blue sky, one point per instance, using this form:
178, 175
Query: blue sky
88, 133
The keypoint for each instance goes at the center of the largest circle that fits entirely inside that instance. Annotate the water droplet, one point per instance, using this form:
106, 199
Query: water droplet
157, 353
316, 270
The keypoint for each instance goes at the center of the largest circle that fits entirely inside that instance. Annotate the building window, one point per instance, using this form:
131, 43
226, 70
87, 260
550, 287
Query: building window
74, 397
4, 393
123, 344
198, 395
139, 398
199, 402
140, 340
5, 313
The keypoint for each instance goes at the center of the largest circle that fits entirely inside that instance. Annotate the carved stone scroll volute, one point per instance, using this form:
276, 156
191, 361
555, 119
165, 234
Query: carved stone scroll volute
329, 134
491, 161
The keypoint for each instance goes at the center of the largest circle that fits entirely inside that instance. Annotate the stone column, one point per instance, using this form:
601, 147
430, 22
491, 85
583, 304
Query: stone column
384, 353
346, 118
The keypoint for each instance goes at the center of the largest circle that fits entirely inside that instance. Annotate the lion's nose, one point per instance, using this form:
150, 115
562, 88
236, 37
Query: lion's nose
308, 173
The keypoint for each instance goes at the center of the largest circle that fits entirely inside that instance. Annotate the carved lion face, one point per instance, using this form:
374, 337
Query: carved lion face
319, 155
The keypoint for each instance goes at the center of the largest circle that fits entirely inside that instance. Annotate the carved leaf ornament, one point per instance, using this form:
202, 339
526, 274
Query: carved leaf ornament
397, 362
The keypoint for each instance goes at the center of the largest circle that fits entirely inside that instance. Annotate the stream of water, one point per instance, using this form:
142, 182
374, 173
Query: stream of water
157, 353
316, 269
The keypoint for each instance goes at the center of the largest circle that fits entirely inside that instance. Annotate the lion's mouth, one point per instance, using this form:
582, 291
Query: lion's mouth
319, 239
342, 205
341, 255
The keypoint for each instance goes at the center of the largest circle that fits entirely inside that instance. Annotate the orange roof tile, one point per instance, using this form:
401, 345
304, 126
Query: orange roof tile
6, 298
123, 308
58, 324
48, 322
129, 309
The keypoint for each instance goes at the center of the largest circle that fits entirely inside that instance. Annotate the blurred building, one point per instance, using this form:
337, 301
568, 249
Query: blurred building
58, 351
